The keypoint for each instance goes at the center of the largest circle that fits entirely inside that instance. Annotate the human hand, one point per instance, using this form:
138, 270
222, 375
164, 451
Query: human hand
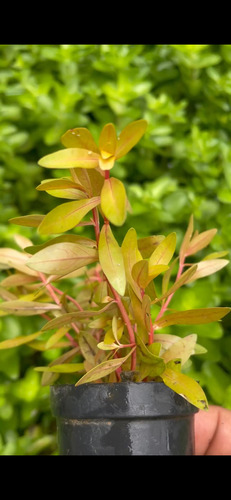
213, 431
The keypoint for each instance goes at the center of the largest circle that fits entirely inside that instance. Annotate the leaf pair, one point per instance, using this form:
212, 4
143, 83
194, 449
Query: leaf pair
82, 151
192, 244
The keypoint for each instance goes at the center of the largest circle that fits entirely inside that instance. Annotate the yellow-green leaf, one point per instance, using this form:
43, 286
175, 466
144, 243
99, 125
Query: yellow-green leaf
216, 255
68, 318
63, 258
24, 308
113, 201
186, 387
18, 341
182, 349
53, 184
88, 346
107, 141
71, 158
106, 163
28, 220
129, 137
193, 317
107, 347
79, 138
67, 215
63, 368
164, 252
103, 369
131, 255
111, 259
56, 337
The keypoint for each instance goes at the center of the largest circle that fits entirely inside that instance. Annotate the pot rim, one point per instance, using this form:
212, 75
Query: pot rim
118, 400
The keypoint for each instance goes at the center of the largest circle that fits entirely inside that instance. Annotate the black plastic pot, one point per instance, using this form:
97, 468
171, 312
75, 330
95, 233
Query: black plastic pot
126, 418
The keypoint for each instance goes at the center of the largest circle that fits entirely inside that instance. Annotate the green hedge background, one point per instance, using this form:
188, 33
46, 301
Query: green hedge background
181, 166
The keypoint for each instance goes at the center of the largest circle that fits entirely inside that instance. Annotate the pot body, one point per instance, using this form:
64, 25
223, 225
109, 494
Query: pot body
126, 418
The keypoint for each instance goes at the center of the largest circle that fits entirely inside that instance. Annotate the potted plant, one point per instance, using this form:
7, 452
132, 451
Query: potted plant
118, 386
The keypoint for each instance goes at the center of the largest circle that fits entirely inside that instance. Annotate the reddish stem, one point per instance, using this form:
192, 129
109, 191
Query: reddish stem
68, 297
56, 300
166, 303
116, 295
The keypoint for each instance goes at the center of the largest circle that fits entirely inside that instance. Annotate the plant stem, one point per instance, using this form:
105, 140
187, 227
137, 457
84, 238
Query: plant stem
116, 295
56, 300
68, 297
96, 221
166, 303
127, 323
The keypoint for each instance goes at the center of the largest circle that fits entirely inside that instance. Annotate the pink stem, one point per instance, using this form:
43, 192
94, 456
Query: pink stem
116, 295
166, 303
69, 298
56, 300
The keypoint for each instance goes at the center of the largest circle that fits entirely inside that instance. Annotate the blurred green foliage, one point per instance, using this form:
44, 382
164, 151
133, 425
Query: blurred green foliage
181, 166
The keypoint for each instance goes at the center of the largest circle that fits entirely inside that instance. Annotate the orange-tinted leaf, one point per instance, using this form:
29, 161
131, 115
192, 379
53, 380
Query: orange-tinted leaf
68, 318
24, 308
111, 259
113, 201
67, 215
200, 241
186, 239
140, 273
148, 244
143, 275
92, 180
71, 238
107, 141
10, 258
193, 317
64, 258
129, 137
17, 279
79, 138
28, 220
208, 267
70, 158
184, 278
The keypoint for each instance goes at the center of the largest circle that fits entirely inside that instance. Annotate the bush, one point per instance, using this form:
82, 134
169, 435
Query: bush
181, 166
